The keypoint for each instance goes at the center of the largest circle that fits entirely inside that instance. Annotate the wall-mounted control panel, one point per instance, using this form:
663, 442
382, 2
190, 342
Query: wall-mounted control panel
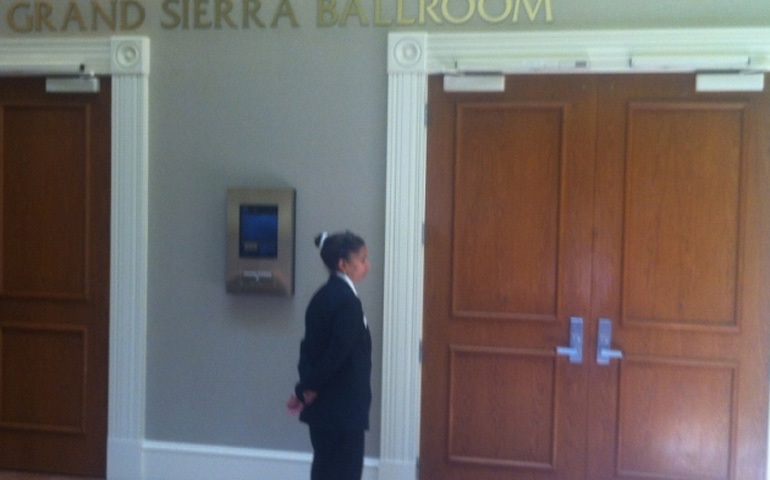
260, 241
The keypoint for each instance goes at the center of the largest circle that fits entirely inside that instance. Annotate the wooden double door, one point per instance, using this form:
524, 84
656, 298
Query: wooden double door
574, 204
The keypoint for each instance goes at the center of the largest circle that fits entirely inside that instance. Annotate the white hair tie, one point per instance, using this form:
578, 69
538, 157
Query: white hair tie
324, 236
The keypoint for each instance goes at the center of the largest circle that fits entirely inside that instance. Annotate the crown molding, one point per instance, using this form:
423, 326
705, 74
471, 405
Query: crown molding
588, 51
101, 56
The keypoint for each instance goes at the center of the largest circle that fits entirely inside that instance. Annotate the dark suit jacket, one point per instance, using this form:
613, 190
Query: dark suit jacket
336, 359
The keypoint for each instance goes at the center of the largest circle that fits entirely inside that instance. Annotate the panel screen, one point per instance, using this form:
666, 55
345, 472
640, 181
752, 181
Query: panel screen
258, 231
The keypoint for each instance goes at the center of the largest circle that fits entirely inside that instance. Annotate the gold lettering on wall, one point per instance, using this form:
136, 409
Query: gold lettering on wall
355, 9
400, 19
216, 14
285, 10
431, 11
491, 18
532, 11
74, 14
327, 13
108, 19
440, 12
378, 15
46, 16
25, 17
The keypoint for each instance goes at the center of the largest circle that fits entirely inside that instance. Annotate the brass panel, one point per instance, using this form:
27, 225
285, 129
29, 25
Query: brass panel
260, 252
501, 407
42, 378
506, 210
676, 418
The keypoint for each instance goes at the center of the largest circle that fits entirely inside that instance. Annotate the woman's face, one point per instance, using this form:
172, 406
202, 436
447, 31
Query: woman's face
356, 265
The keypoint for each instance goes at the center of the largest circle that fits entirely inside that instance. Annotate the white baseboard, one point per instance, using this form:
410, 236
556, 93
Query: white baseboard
124, 459
183, 461
394, 469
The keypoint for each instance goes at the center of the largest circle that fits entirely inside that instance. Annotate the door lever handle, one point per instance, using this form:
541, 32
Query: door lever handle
575, 349
604, 351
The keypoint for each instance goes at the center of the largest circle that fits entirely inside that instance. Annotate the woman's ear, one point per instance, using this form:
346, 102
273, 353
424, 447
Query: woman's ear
341, 266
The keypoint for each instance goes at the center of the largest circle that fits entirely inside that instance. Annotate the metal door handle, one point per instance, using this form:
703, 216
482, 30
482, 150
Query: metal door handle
604, 351
575, 349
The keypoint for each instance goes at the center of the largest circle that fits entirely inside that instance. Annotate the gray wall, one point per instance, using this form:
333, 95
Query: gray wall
299, 108
303, 107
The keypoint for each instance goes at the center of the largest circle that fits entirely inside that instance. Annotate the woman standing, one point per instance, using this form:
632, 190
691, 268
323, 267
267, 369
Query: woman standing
334, 392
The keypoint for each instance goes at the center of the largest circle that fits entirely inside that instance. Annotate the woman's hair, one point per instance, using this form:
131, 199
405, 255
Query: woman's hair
337, 246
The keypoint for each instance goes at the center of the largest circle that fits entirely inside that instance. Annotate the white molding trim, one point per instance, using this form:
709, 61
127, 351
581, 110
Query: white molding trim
126, 59
130, 57
403, 269
603, 51
185, 461
414, 56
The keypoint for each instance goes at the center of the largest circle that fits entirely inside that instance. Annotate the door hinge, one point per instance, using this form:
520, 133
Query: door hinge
420, 352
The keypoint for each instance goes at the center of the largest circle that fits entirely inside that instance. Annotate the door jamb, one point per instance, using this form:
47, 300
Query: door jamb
414, 56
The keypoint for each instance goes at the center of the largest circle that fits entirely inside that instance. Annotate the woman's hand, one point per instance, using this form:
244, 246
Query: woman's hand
310, 396
294, 406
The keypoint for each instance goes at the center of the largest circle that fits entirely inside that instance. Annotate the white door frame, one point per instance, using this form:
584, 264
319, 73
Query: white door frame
414, 56
127, 60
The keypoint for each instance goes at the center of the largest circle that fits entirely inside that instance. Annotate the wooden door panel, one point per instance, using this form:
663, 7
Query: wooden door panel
44, 235
502, 407
507, 197
43, 372
682, 217
676, 418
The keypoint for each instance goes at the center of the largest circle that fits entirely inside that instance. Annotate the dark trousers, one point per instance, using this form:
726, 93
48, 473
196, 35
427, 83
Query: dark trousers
337, 454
